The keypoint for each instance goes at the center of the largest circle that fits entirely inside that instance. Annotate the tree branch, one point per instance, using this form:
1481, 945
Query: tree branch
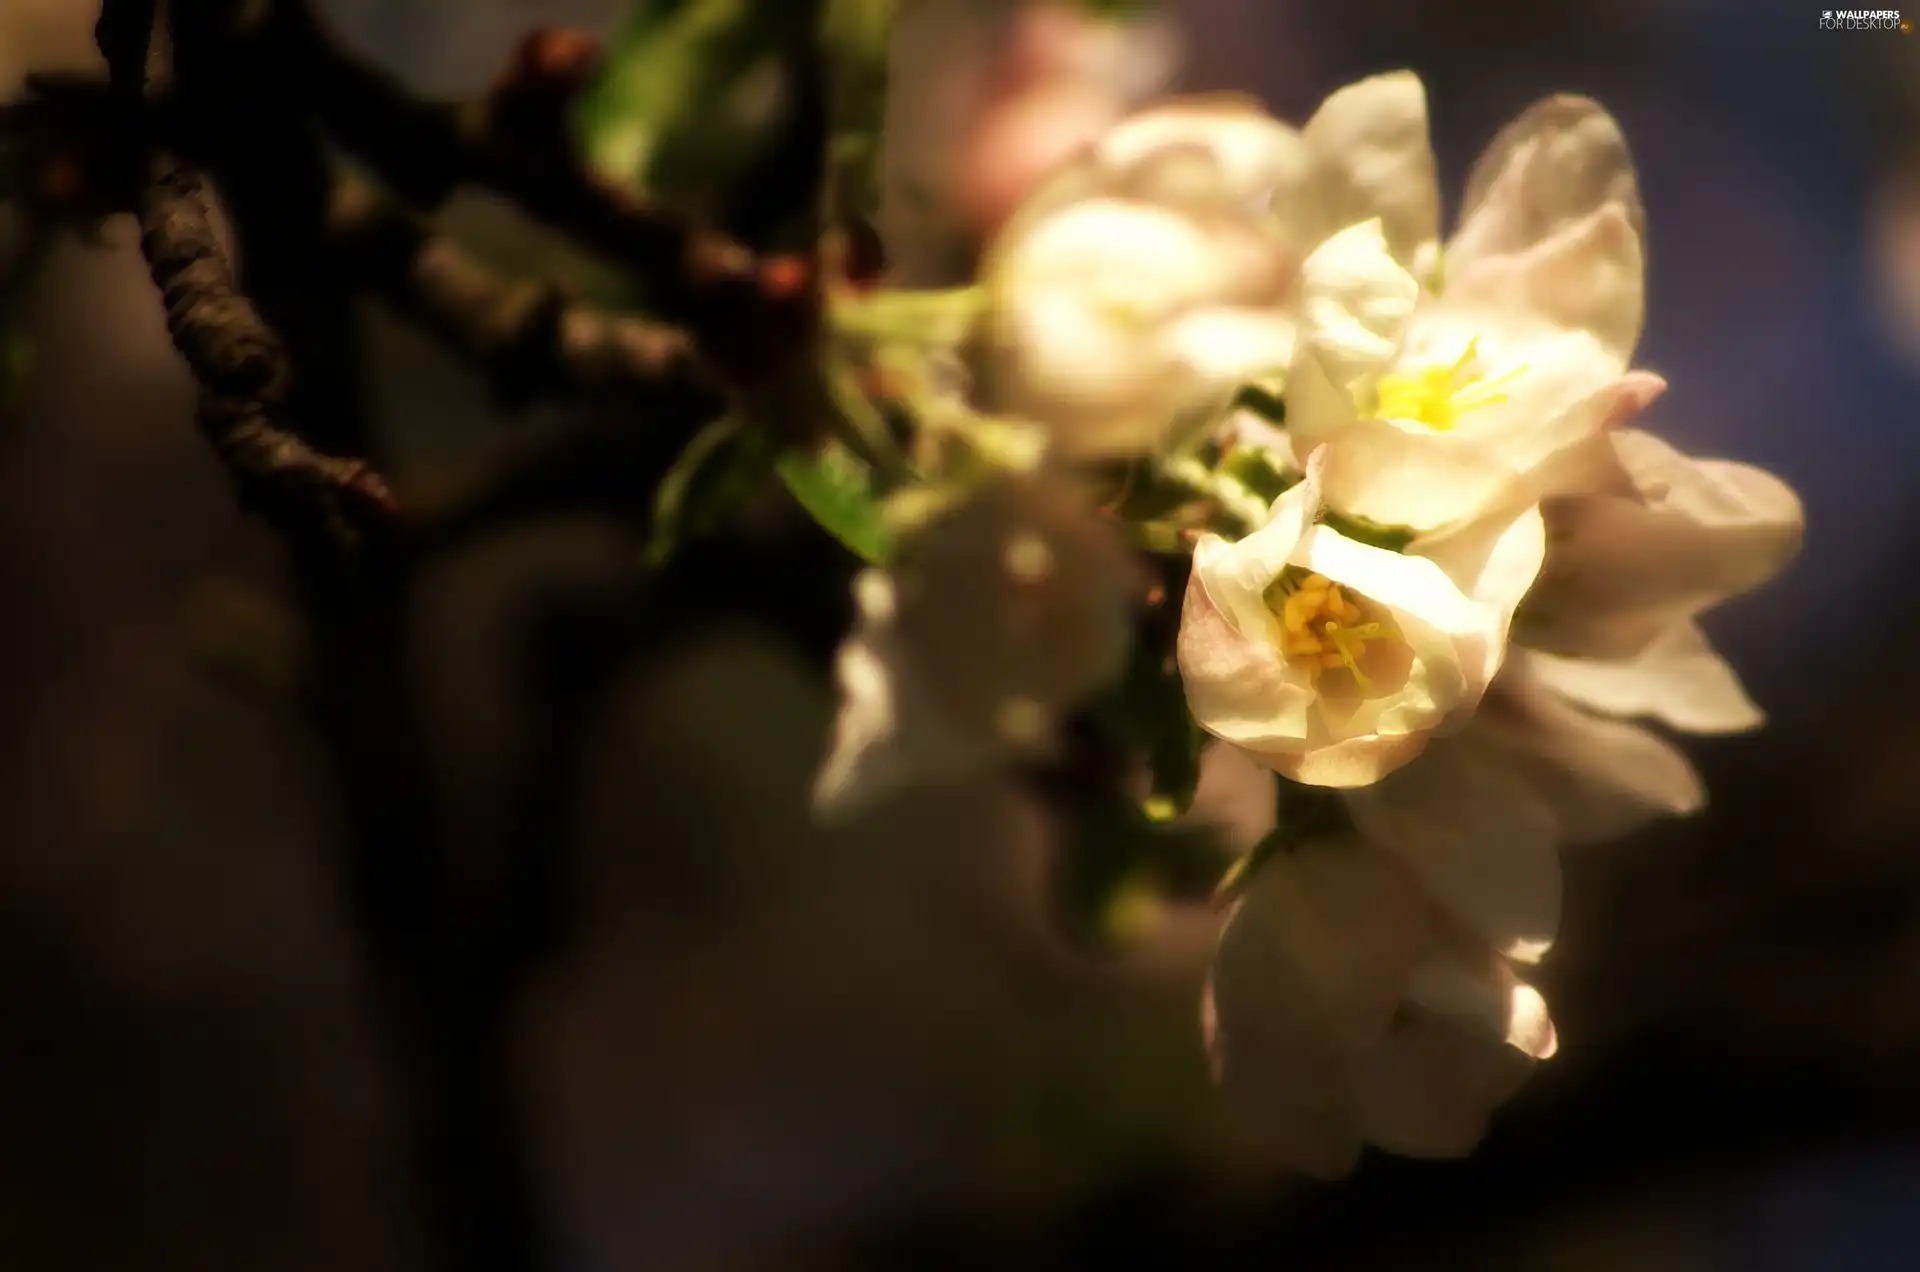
747, 314
528, 337
240, 364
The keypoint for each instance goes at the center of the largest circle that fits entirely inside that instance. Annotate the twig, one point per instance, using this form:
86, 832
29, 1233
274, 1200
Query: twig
243, 373
747, 314
240, 364
529, 338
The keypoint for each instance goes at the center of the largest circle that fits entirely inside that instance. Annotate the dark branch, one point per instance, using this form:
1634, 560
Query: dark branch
528, 337
240, 364
243, 373
747, 314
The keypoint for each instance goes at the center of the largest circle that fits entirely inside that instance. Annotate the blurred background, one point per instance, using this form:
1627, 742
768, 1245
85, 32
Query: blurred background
769, 1046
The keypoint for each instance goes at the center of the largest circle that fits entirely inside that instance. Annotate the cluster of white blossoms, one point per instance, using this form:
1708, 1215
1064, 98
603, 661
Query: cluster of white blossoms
1477, 587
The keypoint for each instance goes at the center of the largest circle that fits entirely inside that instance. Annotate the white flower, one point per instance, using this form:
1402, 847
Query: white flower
1332, 661
1344, 1009
1552, 757
1005, 610
1172, 263
1521, 362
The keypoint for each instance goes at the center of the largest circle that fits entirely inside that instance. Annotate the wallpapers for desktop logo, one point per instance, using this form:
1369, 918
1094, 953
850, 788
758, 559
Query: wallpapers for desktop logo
1864, 20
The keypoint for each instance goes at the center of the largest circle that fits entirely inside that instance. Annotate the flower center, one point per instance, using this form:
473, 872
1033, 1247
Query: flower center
1322, 627
1438, 396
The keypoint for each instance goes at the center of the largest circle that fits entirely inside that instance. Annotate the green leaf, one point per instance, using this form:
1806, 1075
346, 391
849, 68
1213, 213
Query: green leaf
1264, 402
1257, 470
1361, 530
857, 35
718, 471
837, 491
687, 98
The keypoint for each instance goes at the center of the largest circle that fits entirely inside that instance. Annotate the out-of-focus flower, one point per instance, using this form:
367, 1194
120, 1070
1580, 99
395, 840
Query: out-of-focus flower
988, 98
1173, 261
1004, 610
1345, 1009
1521, 360
1332, 660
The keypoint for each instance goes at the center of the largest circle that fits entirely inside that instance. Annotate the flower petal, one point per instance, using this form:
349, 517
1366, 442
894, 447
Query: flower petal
1308, 1125
1241, 689
1078, 306
1430, 1089
1621, 571
889, 735
1601, 778
1411, 477
1677, 679
1586, 276
1258, 158
1319, 406
1355, 301
1558, 161
1315, 954
1224, 348
1310, 967
1495, 561
1020, 593
1373, 158
1235, 575
1460, 981
1479, 837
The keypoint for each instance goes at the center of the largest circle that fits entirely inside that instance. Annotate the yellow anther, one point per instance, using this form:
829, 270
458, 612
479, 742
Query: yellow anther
1438, 396
1321, 626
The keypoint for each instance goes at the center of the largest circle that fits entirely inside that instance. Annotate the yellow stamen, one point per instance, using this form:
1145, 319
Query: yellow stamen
1438, 396
1321, 626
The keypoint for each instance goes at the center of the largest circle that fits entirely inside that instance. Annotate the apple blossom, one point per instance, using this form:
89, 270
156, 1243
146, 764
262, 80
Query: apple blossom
1010, 605
1345, 1009
1332, 660
1171, 263
1522, 360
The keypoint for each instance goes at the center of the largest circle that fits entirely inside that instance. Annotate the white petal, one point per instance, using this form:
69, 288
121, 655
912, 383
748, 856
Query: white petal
1315, 955
1318, 405
889, 735
1235, 575
1429, 1090
1461, 982
1494, 560
1355, 301
1479, 837
1240, 688
1562, 158
1573, 453
1258, 158
1373, 159
1622, 570
1601, 778
1308, 1123
1021, 593
1410, 477
1677, 679
1225, 348
1079, 303
1587, 276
